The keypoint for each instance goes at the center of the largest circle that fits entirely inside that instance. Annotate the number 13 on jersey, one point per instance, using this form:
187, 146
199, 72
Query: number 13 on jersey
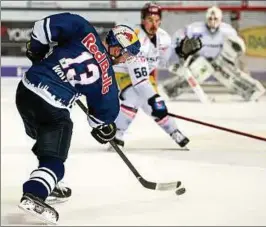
90, 75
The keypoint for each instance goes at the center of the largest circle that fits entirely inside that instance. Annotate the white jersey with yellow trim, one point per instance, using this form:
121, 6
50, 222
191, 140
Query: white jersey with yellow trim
150, 57
212, 43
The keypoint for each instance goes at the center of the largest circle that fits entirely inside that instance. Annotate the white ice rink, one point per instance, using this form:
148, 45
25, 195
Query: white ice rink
224, 174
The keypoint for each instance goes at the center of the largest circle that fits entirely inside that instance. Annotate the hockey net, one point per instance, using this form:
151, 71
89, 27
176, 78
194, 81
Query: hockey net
249, 19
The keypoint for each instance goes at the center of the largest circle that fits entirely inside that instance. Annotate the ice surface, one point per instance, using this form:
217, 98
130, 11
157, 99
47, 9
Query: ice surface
224, 174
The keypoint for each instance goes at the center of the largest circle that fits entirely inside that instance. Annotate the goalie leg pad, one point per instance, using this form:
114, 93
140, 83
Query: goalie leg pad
258, 93
194, 84
172, 85
194, 71
239, 82
249, 88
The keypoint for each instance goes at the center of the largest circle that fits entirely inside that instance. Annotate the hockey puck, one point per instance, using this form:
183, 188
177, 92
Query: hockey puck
180, 191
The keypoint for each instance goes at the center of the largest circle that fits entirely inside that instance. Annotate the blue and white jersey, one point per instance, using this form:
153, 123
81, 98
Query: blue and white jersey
77, 65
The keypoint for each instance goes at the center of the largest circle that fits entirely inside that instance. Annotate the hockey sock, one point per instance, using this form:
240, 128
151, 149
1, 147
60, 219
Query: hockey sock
167, 124
42, 181
124, 119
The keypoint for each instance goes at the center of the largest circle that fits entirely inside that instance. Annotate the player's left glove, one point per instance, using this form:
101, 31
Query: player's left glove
158, 106
34, 57
104, 133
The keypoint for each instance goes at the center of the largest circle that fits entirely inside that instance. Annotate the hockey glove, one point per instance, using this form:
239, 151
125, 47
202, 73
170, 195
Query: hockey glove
158, 106
188, 46
34, 57
104, 133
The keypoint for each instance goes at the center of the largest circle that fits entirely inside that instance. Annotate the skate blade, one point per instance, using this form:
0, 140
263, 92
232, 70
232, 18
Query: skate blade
52, 201
185, 148
39, 217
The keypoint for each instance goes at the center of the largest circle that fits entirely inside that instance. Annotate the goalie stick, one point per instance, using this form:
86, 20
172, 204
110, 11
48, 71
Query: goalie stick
145, 183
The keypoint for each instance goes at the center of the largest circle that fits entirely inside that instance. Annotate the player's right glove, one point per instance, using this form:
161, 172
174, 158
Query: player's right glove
188, 46
104, 133
158, 106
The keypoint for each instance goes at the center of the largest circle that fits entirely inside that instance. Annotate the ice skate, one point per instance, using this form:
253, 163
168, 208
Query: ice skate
38, 208
179, 138
60, 194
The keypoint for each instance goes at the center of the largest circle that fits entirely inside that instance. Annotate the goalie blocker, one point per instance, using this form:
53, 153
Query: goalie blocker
197, 69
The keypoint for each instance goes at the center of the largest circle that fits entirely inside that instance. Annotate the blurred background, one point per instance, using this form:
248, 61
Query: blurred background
17, 18
224, 173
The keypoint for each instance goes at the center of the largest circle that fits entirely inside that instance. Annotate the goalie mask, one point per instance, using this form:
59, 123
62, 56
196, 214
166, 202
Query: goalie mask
124, 37
213, 18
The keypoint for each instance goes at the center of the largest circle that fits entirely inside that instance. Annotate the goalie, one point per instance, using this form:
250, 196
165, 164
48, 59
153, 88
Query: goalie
220, 56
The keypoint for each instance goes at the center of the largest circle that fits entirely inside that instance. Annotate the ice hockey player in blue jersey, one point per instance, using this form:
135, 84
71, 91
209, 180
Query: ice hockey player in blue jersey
78, 64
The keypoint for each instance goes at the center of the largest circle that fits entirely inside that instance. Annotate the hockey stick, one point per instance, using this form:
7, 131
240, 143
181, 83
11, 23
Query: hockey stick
194, 84
145, 183
218, 127
194, 73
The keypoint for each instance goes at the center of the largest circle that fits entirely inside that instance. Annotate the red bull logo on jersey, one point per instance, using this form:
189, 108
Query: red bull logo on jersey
90, 43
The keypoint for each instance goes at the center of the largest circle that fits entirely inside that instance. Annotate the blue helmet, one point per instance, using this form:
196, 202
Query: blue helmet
125, 37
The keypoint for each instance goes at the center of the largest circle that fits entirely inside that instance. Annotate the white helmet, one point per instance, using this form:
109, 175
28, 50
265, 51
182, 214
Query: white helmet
213, 18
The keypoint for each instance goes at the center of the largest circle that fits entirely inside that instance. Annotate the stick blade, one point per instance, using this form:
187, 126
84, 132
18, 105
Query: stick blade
159, 186
168, 186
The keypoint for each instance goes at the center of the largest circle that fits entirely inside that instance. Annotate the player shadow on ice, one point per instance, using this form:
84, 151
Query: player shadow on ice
132, 149
153, 149
231, 99
18, 218
128, 207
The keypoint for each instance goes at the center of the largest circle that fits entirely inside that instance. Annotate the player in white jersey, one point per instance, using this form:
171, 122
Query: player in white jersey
137, 77
222, 48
